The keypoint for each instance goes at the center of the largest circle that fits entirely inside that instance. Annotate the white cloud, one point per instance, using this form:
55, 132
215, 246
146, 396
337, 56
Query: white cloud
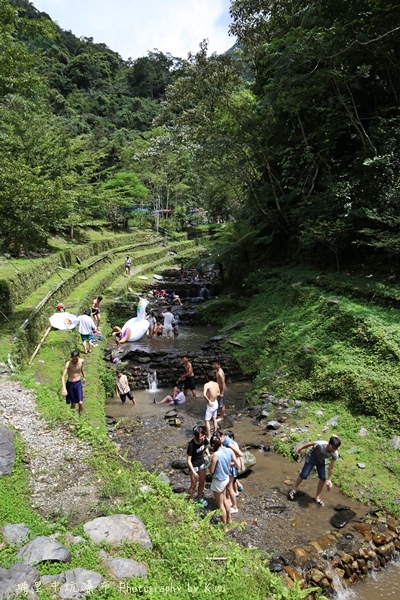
134, 27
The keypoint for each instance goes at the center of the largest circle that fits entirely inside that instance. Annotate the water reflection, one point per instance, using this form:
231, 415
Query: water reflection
190, 339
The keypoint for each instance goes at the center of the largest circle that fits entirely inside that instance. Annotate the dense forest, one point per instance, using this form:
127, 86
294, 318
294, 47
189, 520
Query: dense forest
291, 138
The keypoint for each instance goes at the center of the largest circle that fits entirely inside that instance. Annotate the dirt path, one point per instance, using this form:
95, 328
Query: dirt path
60, 480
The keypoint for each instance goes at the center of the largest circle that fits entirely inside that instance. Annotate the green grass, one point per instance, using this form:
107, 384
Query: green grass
338, 353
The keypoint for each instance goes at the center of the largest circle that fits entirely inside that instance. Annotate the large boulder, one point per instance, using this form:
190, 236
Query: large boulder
118, 528
122, 568
249, 461
18, 578
79, 583
42, 548
7, 450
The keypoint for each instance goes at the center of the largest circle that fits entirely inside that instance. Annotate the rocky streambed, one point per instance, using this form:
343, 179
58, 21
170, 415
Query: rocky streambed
331, 546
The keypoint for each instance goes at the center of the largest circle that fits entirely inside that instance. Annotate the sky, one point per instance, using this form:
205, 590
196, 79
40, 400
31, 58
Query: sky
134, 27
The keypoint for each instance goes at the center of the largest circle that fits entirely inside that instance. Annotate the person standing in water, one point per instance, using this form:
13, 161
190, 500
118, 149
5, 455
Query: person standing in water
123, 388
188, 379
72, 389
317, 456
168, 330
210, 395
220, 375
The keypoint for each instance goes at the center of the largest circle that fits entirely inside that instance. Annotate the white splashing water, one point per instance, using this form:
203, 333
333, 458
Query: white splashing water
152, 381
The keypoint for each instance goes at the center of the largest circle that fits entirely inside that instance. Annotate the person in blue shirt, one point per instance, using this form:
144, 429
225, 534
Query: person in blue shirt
221, 462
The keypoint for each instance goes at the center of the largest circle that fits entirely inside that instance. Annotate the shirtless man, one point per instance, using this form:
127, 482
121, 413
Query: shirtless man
96, 310
211, 394
188, 378
73, 389
220, 375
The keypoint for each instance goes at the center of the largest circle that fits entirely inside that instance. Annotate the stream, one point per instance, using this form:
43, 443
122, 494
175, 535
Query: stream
268, 520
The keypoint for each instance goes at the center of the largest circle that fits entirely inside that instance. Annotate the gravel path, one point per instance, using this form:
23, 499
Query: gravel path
60, 480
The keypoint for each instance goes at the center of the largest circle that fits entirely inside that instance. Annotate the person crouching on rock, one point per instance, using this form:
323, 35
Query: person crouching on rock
178, 397
195, 460
319, 452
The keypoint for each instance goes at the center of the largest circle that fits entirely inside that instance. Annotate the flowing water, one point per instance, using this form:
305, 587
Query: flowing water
190, 339
384, 585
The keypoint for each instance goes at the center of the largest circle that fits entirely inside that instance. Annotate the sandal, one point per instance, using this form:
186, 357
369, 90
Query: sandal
291, 495
319, 502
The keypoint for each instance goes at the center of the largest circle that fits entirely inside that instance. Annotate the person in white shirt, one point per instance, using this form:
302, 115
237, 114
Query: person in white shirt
168, 329
86, 328
178, 397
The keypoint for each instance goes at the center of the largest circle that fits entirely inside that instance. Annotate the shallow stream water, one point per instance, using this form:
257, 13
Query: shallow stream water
269, 520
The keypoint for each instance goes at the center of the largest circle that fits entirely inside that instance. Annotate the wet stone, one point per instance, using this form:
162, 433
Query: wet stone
287, 558
275, 566
342, 517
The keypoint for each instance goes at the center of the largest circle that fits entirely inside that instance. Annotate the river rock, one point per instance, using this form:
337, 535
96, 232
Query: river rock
43, 548
273, 425
179, 464
7, 450
79, 583
342, 517
236, 325
275, 565
171, 413
249, 460
118, 528
122, 568
13, 578
50, 579
15, 534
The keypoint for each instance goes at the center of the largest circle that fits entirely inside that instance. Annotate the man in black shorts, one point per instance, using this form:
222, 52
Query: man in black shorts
188, 379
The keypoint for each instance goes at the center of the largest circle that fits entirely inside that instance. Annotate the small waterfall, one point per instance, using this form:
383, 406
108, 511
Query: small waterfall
152, 380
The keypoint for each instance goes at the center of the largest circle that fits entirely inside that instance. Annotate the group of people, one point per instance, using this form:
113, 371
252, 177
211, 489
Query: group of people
159, 326
224, 465
165, 296
227, 459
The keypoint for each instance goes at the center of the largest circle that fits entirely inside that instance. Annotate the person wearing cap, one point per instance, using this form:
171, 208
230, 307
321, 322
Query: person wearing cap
320, 451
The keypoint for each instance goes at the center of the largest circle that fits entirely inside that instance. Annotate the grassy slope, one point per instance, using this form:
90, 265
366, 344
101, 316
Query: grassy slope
337, 354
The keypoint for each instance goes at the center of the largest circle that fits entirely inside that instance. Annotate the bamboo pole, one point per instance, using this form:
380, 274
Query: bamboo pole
46, 333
